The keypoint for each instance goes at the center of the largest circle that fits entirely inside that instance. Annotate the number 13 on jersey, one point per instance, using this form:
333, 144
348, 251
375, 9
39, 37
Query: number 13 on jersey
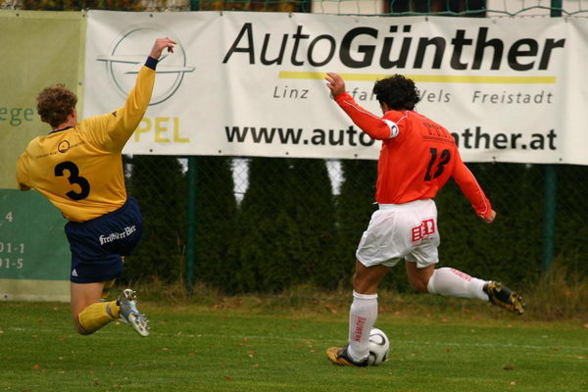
437, 163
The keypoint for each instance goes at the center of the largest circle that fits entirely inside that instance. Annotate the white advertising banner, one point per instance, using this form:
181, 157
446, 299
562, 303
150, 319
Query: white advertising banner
252, 84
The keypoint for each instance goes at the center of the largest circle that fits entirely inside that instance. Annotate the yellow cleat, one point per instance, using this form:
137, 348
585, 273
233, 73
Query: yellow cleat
339, 356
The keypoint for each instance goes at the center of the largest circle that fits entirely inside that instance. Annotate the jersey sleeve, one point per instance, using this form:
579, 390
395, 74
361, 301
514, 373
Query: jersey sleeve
22, 172
471, 189
377, 127
111, 131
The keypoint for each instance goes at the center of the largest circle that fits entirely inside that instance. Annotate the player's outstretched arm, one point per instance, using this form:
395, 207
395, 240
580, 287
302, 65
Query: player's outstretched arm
335, 83
490, 218
473, 191
122, 123
371, 124
159, 46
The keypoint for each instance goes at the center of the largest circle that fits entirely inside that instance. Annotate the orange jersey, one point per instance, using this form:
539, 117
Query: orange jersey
417, 157
79, 169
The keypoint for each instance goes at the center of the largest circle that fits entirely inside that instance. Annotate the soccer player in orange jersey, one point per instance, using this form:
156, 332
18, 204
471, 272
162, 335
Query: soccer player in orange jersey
417, 158
78, 167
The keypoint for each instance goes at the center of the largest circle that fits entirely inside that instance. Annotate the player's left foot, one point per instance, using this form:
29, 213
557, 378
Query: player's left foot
129, 313
339, 356
502, 296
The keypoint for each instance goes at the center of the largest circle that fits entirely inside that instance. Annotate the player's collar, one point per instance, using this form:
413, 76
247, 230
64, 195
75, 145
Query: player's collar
59, 130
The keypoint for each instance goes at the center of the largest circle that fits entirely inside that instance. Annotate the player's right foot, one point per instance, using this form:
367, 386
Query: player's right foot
505, 298
129, 313
339, 356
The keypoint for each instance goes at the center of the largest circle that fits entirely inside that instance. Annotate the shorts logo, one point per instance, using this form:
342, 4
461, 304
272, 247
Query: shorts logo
117, 236
126, 57
422, 231
74, 273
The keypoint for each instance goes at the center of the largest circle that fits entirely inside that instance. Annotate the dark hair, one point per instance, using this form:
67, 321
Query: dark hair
397, 92
55, 103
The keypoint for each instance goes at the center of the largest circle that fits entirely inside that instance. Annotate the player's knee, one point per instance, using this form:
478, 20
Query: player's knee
362, 285
79, 329
359, 284
355, 281
82, 331
419, 284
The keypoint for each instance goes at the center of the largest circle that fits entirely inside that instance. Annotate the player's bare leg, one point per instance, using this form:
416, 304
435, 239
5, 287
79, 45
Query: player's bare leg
454, 283
106, 290
90, 313
87, 311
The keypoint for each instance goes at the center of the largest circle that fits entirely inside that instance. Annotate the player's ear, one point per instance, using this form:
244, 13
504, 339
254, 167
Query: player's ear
384, 107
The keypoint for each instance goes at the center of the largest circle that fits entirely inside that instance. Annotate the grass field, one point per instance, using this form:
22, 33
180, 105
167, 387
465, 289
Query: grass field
228, 346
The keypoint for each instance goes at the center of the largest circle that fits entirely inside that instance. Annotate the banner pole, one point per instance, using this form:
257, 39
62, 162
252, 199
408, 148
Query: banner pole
550, 189
192, 185
549, 215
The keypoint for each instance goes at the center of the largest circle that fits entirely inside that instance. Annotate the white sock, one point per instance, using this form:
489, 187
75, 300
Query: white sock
362, 317
451, 282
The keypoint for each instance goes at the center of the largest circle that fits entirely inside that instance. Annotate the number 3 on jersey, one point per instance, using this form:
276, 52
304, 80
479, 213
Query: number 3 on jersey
73, 178
437, 164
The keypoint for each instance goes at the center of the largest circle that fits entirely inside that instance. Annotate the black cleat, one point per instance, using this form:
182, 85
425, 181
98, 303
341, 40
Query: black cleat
502, 296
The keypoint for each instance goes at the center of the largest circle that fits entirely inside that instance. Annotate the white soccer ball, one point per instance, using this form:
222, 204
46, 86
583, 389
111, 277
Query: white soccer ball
379, 347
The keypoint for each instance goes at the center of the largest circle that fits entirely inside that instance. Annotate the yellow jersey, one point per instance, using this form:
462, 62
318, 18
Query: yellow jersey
79, 169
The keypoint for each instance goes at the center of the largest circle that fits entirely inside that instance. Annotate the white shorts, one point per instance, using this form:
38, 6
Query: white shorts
401, 231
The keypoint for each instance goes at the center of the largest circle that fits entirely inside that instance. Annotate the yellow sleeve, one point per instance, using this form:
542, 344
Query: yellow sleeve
22, 172
111, 131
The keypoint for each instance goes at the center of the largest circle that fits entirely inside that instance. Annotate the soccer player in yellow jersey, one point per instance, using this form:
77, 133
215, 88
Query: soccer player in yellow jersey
78, 167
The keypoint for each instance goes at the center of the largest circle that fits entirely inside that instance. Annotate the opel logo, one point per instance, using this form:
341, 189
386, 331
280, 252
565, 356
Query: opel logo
63, 146
128, 54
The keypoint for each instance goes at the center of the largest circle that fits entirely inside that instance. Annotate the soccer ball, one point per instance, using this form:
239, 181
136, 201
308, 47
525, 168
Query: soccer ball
379, 347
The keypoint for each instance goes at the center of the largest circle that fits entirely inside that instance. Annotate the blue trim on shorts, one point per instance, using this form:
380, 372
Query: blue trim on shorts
98, 244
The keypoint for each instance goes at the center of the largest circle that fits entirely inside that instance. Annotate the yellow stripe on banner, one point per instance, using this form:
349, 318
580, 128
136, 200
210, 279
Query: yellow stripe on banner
428, 78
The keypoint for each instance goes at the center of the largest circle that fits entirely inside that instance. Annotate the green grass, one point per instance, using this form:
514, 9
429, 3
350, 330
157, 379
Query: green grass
243, 345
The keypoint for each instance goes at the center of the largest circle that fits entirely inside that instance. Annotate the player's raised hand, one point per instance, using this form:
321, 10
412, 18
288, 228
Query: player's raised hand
335, 83
159, 45
491, 217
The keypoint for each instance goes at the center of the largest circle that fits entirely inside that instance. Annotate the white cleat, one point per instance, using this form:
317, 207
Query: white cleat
129, 313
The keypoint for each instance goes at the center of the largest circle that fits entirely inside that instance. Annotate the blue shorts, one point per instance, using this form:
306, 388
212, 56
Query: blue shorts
98, 244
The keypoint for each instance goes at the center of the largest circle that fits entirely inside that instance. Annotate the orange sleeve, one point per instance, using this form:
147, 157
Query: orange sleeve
471, 189
375, 126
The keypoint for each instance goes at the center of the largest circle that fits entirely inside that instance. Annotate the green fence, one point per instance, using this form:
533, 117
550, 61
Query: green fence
263, 224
